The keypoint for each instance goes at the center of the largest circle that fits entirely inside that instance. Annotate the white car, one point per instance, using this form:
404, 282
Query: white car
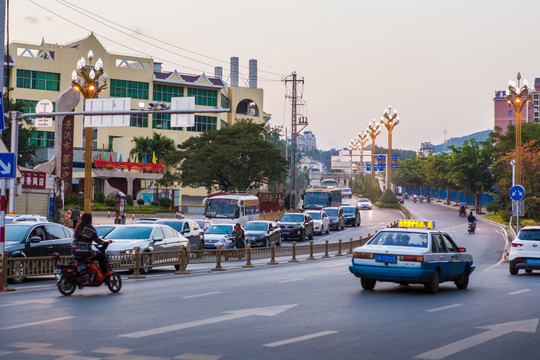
364, 203
321, 221
525, 250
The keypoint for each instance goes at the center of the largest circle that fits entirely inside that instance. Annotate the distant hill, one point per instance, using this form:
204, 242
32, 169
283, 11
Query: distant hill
458, 141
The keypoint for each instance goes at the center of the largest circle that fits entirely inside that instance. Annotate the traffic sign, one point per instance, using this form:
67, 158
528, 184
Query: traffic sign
517, 192
518, 208
7, 165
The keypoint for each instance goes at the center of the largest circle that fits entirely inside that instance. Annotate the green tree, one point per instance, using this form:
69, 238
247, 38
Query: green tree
158, 144
230, 158
437, 173
26, 152
409, 172
471, 168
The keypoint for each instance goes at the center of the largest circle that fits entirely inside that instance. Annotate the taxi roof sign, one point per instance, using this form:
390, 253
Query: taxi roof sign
424, 224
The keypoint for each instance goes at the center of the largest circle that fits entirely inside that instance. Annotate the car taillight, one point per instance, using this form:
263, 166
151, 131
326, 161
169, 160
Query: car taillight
363, 255
517, 245
412, 258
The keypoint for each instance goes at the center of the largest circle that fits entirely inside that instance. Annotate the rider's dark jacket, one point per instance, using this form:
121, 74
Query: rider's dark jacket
82, 245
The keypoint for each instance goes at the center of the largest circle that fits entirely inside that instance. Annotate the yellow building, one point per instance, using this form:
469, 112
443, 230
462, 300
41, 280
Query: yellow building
36, 72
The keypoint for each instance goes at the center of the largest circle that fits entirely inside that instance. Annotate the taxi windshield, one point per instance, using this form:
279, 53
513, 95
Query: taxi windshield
400, 238
315, 215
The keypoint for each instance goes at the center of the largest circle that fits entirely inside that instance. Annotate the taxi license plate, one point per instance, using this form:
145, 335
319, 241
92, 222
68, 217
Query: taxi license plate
533, 261
385, 258
286, 233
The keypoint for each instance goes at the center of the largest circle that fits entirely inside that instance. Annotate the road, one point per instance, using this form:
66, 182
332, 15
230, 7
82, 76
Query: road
311, 310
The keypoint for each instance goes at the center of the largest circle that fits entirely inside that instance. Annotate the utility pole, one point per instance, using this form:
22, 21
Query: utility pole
294, 132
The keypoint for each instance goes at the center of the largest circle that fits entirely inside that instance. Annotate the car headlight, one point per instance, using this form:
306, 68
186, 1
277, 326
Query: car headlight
130, 252
297, 226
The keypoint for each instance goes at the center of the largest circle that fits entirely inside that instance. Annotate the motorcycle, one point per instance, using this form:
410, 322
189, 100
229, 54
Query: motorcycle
414, 199
428, 199
462, 212
472, 227
85, 272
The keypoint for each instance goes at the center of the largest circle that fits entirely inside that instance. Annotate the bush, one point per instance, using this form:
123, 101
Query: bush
387, 205
111, 202
140, 202
100, 197
493, 208
165, 202
73, 200
388, 197
129, 200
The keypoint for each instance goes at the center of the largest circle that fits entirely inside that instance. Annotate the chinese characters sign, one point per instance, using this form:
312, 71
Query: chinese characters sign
33, 179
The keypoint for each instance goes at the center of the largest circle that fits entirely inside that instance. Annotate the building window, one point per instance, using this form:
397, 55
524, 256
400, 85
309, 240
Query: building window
6, 76
111, 139
166, 92
131, 89
38, 80
139, 120
203, 97
204, 123
42, 139
224, 124
224, 102
510, 113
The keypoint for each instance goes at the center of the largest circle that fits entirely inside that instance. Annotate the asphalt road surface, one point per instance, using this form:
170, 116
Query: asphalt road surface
311, 310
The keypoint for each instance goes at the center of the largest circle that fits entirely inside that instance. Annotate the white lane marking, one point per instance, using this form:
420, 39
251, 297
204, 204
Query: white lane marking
345, 273
231, 315
444, 308
334, 265
519, 292
27, 302
289, 280
200, 295
301, 338
36, 323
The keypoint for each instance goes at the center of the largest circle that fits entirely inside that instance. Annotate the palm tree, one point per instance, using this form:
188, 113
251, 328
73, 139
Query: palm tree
158, 144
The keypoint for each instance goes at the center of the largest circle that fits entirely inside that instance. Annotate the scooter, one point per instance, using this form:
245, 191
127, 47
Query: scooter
472, 227
414, 199
462, 212
85, 272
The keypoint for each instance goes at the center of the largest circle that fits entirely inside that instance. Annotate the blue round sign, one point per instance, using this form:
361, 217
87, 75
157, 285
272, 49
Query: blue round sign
517, 192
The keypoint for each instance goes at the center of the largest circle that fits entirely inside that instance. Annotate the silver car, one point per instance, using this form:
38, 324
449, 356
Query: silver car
147, 237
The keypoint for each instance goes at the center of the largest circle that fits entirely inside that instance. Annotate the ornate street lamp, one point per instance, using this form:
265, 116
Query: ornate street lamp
373, 130
362, 140
353, 145
86, 82
389, 120
518, 97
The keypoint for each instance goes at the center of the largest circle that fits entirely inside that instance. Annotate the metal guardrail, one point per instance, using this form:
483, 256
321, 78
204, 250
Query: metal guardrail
181, 258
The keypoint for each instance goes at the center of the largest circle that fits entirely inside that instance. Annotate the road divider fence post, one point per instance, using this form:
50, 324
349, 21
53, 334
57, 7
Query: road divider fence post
137, 271
293, 250
311, 257
339, 248
272, 255
350, 246
248, 257
218, 259
325, 256
183, 260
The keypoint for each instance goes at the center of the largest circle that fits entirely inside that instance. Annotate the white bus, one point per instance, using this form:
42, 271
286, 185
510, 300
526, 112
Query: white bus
231, 209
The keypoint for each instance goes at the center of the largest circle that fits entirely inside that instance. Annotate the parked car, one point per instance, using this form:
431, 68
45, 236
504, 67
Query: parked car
35, 238
11, 218
103, 230
346, 193
296, 226
188, 228
364, 204
263, 233
321, 221
336, 216
352, 215
147, 237
217, 234
525, 250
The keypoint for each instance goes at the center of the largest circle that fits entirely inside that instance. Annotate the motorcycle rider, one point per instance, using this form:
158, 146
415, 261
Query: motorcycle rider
462, 210
472, 220
239, 236
85, 234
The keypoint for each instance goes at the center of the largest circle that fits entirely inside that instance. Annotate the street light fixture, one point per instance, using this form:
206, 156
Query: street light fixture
373, 130
389, 119
362, 140
86, 82
353, 145
518, 96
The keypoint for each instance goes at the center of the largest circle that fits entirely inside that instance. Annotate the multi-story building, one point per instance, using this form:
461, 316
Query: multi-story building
305, 141
44, 71
504, 113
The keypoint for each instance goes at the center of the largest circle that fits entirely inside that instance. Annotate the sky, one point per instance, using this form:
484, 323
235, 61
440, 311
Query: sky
438, 63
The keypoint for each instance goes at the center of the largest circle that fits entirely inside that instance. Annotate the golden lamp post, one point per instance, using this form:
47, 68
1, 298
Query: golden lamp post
518, 97
86, 81
353, 145
362, 140
389, 119
373, 130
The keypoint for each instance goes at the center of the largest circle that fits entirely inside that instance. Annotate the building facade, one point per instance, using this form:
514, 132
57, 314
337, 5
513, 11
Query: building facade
35, 72
504, 113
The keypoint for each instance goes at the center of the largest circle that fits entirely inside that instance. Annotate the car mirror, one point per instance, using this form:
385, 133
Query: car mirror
35, 239
158, 238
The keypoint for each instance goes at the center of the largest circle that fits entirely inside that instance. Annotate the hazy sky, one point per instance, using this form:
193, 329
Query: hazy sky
437, 62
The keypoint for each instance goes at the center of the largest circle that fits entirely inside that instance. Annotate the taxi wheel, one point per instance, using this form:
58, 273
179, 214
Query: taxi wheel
463, 280
513, 269
433, 285
367, 284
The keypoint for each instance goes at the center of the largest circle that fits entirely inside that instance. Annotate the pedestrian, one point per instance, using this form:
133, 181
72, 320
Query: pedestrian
75, 216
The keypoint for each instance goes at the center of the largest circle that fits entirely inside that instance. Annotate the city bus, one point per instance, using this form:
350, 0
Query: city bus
231, 209
318, 197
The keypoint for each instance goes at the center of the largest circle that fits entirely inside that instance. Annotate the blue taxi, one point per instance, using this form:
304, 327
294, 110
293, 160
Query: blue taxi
412, 254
